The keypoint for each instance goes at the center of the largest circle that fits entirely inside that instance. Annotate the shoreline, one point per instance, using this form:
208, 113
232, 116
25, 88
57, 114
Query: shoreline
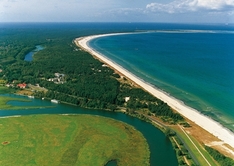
201, 120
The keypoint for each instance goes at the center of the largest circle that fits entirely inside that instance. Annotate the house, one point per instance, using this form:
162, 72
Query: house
59, 78
127, 99
104, 65
59, 75
22, 86
9, 85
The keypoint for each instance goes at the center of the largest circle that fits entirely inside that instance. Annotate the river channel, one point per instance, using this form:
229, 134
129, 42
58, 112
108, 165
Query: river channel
29, 56
161, 151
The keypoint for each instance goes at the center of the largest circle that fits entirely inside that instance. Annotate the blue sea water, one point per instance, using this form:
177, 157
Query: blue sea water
194, 64
191, 62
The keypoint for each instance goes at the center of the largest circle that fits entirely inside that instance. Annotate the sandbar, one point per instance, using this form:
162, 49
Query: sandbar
201, 120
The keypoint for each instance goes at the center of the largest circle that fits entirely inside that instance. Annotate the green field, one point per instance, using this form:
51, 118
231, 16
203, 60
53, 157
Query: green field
202, 156
4, 100
4, 89
70, 140
5, 106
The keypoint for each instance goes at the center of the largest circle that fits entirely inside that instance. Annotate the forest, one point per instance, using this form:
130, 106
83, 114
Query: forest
220, 158
86, 82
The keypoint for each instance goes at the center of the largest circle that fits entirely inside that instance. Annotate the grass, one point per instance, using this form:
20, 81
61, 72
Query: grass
4, 100
4, 89
5, 106
194, 150
70, 140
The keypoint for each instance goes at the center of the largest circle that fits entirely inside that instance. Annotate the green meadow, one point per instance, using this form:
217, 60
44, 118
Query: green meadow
4, 100
4, 89
70, 140
5, 106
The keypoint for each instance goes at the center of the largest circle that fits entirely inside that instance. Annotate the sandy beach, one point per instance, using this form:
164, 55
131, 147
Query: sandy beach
203, 121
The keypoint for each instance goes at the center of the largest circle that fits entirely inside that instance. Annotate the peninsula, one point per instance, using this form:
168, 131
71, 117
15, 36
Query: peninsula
203, 121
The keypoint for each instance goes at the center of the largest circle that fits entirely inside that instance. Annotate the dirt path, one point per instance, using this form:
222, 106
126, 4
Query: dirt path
195, 146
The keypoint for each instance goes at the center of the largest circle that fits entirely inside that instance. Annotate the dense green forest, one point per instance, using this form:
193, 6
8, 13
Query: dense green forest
220, 158
86, 82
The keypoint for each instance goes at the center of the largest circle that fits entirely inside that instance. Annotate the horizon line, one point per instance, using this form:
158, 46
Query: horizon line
126, 22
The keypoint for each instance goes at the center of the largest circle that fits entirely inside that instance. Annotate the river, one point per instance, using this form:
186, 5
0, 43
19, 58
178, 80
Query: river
29, 56
161, 151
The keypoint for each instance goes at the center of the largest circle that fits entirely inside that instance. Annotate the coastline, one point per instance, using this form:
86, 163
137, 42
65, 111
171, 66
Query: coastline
201, 120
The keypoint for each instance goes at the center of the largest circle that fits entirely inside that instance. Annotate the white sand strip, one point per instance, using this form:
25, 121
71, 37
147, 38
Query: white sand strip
204, 121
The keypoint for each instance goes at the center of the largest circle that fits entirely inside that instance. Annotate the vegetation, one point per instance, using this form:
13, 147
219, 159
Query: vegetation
4, 100
191, 149
86, 82
4, 89
220, 158
70, 140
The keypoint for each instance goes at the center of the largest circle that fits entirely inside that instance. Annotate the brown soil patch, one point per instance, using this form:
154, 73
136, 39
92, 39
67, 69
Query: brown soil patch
5, 142
25, 92
202, 135
207, 138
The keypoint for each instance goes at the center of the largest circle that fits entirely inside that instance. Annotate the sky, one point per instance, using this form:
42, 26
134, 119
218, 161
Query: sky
171, 11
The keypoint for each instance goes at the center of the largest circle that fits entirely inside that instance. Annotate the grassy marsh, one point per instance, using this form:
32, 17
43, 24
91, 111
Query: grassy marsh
70, 140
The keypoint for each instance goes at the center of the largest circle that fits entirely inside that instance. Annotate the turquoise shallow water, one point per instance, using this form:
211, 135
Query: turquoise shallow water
193, 66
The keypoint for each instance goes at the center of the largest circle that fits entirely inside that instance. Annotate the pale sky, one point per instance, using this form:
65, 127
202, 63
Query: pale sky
179, 11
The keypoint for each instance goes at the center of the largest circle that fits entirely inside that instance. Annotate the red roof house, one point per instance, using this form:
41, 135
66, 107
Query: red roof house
22, 85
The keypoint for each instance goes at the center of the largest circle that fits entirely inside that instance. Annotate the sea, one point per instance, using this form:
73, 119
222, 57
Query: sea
193, 63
